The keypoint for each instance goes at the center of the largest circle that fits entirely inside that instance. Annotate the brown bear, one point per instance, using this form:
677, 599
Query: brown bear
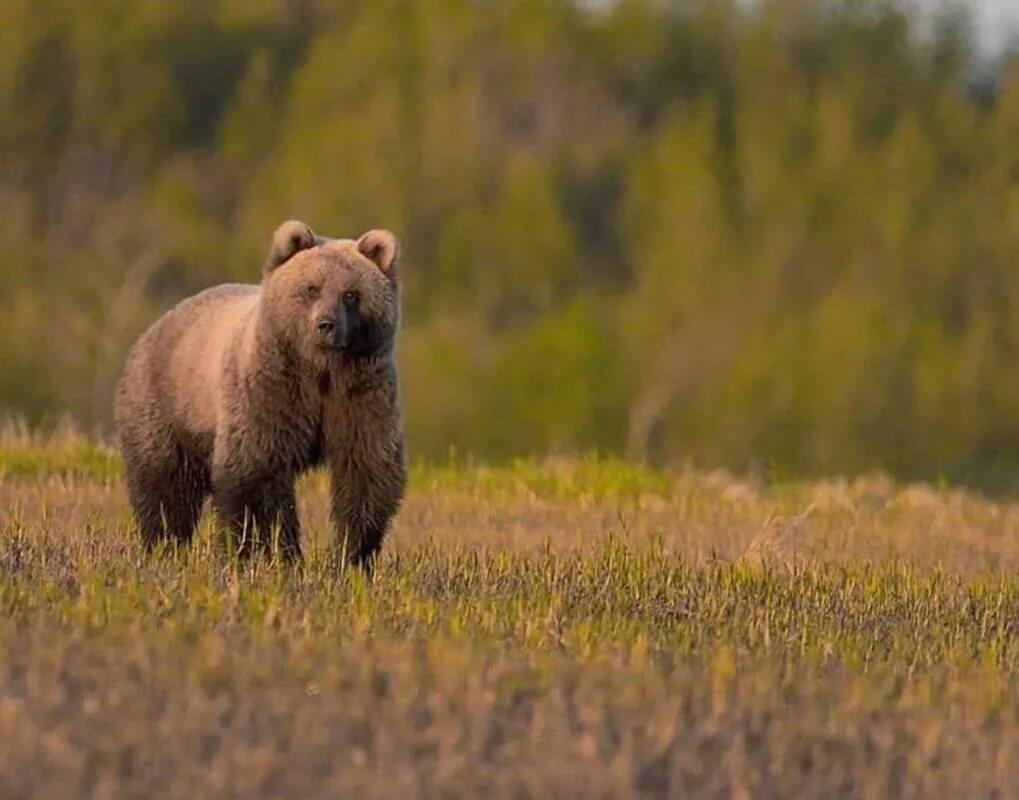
239, 389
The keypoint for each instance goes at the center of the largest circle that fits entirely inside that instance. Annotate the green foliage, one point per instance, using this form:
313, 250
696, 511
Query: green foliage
26, 455
739, 233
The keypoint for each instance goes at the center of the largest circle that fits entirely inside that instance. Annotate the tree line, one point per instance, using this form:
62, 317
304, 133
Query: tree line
780, 235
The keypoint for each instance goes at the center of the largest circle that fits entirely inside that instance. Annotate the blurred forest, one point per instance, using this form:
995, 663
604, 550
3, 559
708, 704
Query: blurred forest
780, 235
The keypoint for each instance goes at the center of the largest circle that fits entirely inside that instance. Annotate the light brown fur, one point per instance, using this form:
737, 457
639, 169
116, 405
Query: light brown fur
239, 389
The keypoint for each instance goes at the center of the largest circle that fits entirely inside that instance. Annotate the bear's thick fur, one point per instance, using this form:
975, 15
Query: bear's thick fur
239, 389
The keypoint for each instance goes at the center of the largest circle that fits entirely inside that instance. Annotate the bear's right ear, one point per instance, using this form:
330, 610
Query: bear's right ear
290, 238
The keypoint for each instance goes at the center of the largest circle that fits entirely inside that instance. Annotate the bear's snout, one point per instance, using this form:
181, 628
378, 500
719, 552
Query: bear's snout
330, 332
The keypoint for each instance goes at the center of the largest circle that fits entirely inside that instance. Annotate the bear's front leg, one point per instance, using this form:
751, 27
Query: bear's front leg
367, 487
260, 514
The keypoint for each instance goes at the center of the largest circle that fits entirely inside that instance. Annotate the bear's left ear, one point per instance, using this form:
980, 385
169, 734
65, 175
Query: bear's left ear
381, 248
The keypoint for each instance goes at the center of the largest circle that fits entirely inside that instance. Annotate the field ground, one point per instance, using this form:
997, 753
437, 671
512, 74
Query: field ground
565, 629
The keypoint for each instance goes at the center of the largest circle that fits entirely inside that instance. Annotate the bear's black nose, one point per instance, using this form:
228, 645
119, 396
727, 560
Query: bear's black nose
327, 333
326, 327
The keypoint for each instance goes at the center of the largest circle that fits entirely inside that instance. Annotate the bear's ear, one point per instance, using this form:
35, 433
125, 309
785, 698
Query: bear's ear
381, 248
290, 238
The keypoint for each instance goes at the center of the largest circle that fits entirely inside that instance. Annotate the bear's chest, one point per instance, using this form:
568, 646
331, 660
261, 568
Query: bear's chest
316, 450
313, 449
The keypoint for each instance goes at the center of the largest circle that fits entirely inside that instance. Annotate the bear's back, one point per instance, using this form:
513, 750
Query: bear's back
179, 362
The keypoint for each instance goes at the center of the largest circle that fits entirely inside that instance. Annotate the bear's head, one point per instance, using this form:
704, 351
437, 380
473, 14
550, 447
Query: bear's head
332, 298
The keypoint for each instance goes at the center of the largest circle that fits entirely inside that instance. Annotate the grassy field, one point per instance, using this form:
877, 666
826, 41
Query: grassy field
560, 629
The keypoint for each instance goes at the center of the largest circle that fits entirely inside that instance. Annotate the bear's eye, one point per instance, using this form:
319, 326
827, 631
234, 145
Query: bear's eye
312, 292
350, 298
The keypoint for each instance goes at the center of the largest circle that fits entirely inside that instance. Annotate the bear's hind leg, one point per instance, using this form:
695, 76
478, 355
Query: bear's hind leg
167, 498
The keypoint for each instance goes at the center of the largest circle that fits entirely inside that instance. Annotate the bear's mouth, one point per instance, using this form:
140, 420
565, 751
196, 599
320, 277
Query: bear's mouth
353, 339
351, 350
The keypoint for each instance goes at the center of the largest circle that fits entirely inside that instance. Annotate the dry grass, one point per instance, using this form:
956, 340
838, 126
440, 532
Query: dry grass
564, 629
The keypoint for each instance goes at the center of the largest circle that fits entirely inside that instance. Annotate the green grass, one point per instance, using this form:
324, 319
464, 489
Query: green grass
27, 455
543, 629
